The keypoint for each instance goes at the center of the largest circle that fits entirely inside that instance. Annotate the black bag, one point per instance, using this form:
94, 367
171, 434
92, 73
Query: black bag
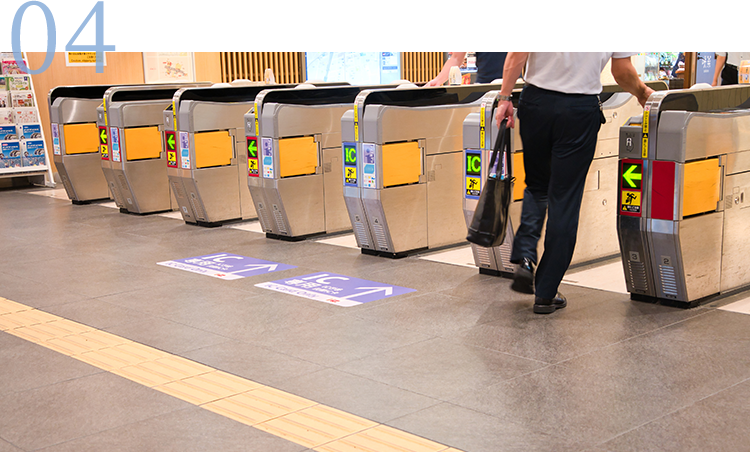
491, 215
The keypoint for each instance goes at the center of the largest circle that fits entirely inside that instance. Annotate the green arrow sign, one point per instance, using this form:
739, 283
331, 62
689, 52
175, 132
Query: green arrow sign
632, 174
103, 135
170, 142
252, 148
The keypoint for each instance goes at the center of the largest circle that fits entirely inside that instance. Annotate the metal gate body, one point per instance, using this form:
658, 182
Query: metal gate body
137, 161
73, 118
683, 229
297, 187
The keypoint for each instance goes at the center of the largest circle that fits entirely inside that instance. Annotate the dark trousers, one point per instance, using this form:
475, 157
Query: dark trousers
559, 133
729, 75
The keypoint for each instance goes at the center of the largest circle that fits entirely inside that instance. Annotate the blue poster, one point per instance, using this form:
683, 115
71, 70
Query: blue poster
335, 289
704, 67
226, 266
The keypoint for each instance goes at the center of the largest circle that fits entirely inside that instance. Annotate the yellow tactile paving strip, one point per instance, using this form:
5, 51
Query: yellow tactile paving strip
302, 421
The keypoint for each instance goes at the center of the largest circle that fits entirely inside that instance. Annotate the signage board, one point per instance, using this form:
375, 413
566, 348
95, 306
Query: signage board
170, 143
631, 187
103, 143
473, 172
350, 163
253, 168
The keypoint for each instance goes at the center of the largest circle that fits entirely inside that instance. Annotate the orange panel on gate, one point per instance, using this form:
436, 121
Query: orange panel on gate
142, 143
402, 163
702, 185
81, 138
213, 149
297, 156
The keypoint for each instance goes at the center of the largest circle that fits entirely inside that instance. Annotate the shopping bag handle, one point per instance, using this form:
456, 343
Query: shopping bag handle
502, 145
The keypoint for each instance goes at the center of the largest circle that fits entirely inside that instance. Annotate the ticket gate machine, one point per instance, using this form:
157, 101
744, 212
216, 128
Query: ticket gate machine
406, 194
296, 183
683, 174
597, 236
73, 119
479, 135
135, 165
208, 158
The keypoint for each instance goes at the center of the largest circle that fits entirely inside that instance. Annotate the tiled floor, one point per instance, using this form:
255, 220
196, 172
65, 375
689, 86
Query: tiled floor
462, 362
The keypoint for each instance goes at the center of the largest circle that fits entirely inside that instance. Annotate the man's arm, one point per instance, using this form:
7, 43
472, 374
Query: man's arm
627, 77
720, 60
514, 63
455, 59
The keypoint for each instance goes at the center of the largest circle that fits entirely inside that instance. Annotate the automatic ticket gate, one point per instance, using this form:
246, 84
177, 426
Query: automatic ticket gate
132, 158
73, 118
597, 236
683, 214
296, 165
479, 134
407, 166
207, 154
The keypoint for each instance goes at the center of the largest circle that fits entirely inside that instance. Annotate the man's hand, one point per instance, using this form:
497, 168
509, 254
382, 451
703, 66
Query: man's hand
504, 110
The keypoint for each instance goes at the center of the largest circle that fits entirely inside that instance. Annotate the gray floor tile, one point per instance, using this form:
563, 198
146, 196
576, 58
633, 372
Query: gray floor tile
255, 363
92, 278
165, 300
26, 365
188, 430
8, 447
52, 414
605, 393
592, 320
716, 423
438, 314
372, 400
441, 369
96, 313
167, 336
35, 293
471, 431
338, 339
253, 318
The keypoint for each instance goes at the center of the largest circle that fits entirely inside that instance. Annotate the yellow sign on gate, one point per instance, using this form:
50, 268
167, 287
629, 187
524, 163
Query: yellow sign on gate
631, 201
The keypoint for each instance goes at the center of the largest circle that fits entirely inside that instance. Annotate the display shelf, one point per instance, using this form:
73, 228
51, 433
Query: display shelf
23, 149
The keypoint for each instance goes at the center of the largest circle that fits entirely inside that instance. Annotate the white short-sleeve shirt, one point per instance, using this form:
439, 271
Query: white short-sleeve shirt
734, 58
569, 72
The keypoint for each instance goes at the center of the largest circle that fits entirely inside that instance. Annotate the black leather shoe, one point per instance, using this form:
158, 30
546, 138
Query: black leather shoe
523, 278
547, 306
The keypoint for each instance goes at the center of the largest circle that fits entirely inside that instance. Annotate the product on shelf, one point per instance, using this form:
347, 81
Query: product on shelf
6, 116
18, 82
33, 153
27, 115
10, 67
8, 133
22, 98
10, 154
29, 131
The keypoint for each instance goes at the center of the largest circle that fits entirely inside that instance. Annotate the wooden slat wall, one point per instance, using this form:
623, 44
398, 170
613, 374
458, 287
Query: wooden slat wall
417, 67
286, 66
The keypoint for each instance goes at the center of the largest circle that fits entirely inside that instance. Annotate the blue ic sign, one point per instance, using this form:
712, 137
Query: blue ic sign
226, 266
350, 164
335, 289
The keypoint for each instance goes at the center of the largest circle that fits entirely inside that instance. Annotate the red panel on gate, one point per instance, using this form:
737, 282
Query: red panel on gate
663, 190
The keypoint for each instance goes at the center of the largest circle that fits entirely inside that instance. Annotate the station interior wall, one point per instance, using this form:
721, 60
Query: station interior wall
120, 68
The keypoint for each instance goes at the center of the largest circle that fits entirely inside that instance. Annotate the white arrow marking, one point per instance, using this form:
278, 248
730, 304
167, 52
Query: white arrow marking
388, 291
222, 257
252, 268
